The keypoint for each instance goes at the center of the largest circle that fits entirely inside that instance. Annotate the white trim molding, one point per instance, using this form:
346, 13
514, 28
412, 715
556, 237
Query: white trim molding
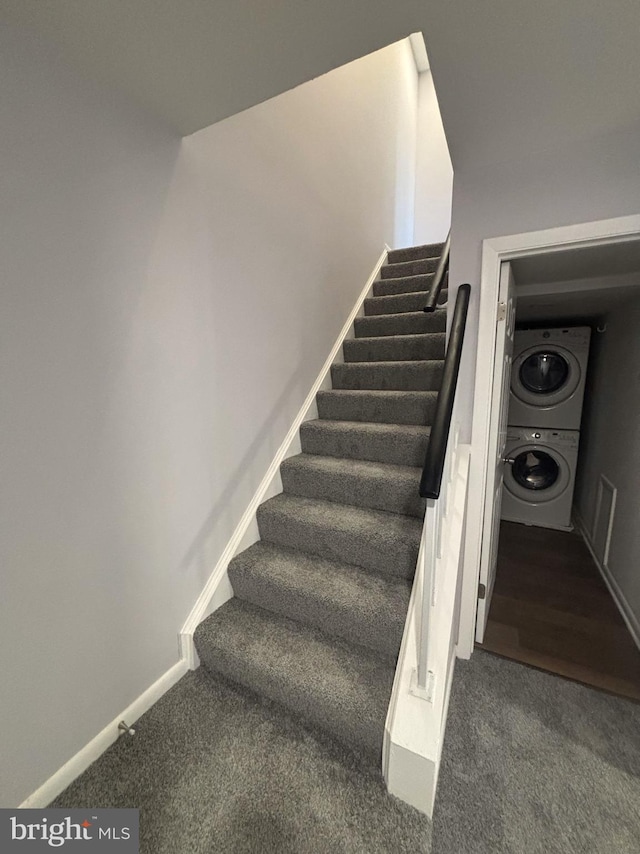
72, 769
218, 588
494, 251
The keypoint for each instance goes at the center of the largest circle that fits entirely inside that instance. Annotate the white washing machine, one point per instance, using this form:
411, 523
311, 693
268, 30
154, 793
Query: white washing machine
548, 376
539, 476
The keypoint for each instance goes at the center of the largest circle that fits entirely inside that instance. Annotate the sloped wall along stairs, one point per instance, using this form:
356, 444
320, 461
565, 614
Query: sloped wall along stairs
320, 601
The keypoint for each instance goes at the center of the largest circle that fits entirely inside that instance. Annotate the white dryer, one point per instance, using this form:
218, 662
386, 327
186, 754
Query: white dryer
548, 375
539, 476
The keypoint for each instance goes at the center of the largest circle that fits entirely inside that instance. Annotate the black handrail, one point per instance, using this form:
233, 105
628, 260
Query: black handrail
438, 279
431, 479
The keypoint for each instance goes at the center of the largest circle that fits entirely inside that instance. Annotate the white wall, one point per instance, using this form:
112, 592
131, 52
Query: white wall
89, 541
541, 133
404, 114
434, 175
596, 180
610, 442
165, 309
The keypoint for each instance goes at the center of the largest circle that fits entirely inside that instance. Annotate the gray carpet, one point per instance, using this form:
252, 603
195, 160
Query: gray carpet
409, 268
398, 444
361, 483
341, 689
535, 764
406, 284
404, 323
532, 764
413, 253
395, 348
413, 375
340, 599
319, 603
381, 542
396, 303
213, 770
386, 407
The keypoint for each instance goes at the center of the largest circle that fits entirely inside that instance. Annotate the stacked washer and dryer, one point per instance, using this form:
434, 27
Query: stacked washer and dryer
547, 391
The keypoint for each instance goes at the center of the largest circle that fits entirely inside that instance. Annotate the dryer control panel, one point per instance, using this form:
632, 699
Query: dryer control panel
559, 438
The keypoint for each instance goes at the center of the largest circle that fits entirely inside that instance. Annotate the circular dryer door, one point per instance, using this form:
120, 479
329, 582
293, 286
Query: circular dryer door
536, 473
545, 375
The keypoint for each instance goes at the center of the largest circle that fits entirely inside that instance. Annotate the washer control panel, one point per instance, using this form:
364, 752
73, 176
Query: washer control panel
575, 337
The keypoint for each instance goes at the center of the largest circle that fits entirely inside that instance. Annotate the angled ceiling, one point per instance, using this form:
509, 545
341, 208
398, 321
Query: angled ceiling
515, 79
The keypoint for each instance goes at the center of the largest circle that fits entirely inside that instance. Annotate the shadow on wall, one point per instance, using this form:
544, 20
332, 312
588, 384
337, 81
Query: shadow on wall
275, 220
232, 351
201, 556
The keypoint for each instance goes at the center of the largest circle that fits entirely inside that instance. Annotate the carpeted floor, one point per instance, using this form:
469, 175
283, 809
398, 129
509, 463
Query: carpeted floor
214, 770
532, 763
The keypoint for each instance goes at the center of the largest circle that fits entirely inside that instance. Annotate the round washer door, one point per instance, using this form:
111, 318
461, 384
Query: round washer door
537, 474
545, 375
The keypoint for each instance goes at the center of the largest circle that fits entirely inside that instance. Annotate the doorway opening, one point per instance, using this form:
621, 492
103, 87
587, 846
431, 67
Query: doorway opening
559, 545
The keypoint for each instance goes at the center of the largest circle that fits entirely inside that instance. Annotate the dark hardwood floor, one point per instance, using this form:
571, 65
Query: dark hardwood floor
551, 609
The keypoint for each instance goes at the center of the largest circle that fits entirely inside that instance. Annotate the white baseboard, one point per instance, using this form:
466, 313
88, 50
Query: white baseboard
445, 714
218, 588
57, 783
630, 618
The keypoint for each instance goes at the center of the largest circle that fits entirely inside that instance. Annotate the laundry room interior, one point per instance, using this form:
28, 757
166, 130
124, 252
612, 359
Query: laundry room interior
566, 596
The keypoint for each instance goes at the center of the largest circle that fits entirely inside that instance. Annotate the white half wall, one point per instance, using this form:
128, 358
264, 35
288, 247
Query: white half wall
610, 446
166, 307
434, 174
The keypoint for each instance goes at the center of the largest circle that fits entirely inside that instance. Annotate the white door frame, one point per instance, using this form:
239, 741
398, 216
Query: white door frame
495, 250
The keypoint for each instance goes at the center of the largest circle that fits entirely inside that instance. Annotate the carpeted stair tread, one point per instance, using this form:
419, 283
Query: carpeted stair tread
396, 304
395, 348
400, 376
320, 601
339, 599
342, 690
373, 539
389, 407
405, 323
415, 253
399, 444
359, 483
408, 268
402, 285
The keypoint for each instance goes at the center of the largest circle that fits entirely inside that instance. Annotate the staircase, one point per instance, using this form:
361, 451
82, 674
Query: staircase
320, 601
